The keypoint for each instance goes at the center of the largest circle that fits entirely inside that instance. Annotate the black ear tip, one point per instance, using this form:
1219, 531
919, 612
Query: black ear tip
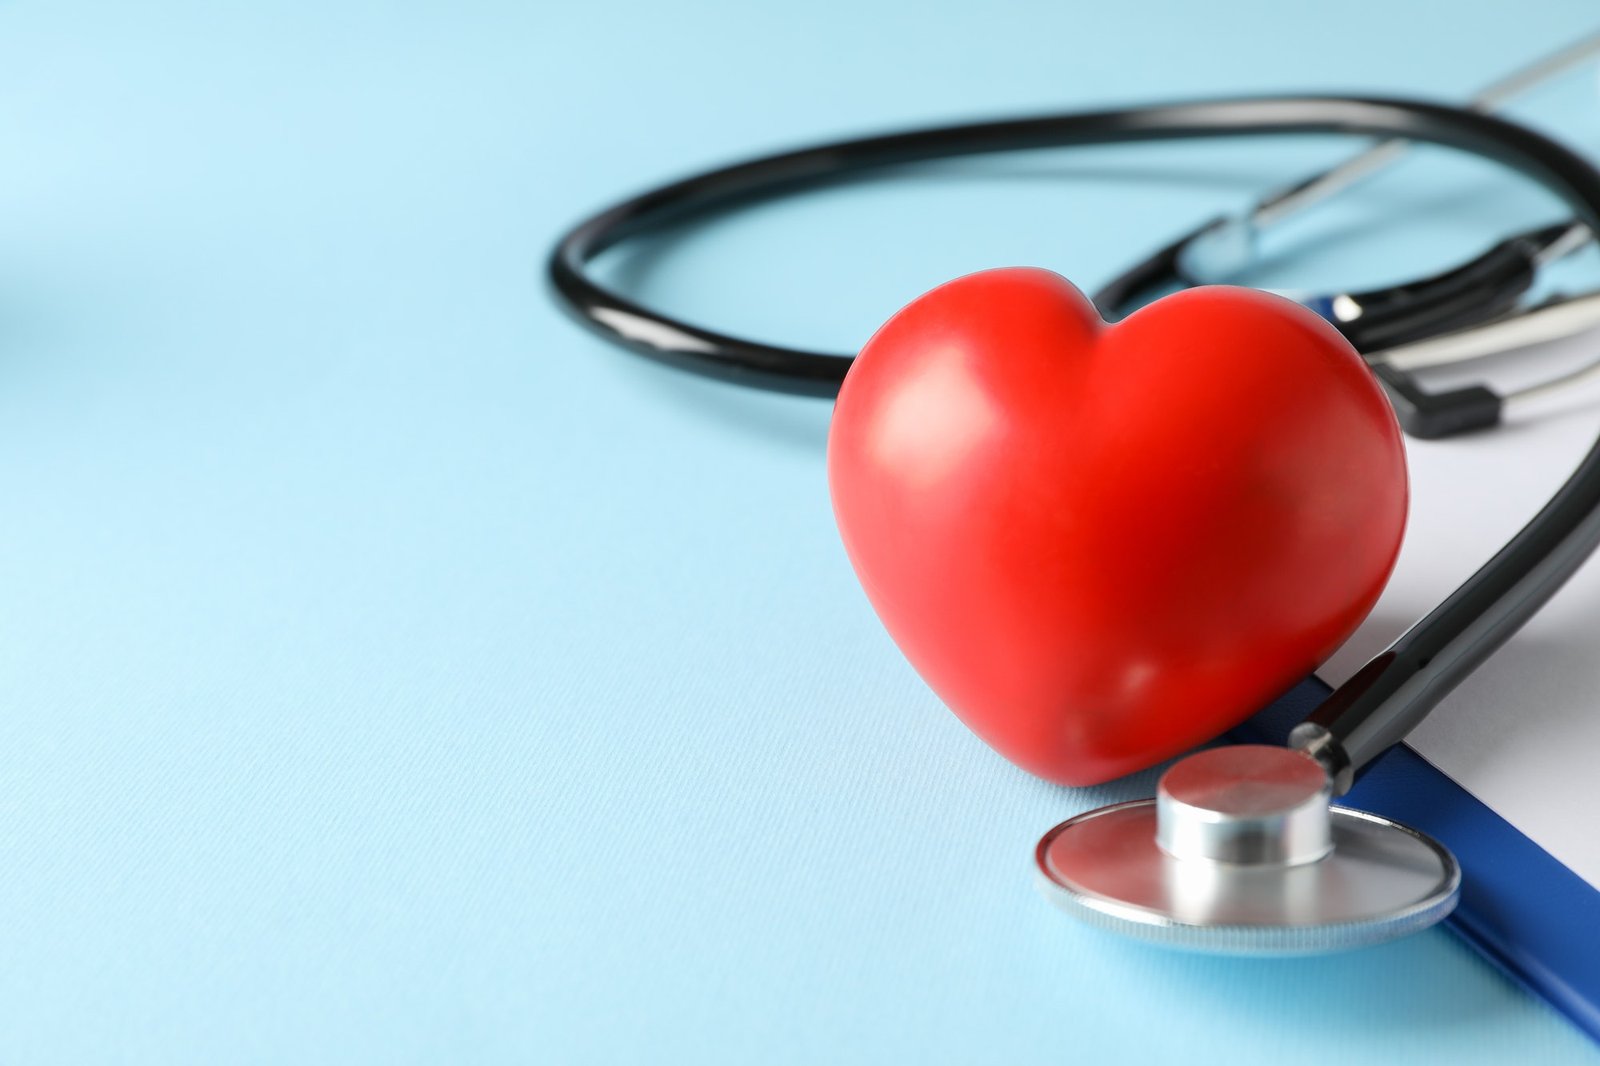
1432, 415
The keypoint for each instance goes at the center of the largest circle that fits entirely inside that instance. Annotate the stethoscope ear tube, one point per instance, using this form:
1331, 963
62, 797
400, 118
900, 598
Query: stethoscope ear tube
1382, 703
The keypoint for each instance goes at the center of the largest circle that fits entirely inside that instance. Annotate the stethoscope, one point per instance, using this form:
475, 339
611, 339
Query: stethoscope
1242, 849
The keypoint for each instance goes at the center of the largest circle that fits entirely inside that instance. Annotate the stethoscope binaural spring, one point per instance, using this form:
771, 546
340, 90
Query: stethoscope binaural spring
1271, 868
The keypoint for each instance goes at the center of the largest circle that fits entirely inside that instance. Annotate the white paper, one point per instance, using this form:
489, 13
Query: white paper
1522, 733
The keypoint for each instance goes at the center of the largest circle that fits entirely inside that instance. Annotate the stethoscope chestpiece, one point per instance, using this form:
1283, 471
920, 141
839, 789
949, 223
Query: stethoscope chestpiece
1241, 853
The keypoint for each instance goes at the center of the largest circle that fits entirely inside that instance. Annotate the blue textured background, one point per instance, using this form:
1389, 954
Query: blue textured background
390, 672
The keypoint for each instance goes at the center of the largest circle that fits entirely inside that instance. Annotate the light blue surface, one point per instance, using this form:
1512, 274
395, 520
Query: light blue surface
393, 673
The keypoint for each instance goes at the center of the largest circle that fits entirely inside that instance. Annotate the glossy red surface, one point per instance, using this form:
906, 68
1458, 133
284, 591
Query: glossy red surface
1103, 545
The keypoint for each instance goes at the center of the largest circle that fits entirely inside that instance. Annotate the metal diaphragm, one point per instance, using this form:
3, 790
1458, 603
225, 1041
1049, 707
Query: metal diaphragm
1241, 854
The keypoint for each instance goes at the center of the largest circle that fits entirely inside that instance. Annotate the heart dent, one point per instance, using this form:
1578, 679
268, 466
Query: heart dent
1103, 545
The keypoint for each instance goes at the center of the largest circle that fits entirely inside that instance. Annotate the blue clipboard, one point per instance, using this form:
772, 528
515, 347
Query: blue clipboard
1520, 908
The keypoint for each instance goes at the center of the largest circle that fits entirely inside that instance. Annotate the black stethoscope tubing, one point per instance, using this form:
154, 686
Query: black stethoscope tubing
1379, 705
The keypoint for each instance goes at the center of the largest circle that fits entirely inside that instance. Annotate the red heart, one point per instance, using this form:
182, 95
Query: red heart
1103, 545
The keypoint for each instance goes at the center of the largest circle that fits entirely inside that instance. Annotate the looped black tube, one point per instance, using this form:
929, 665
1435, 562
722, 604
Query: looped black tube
1395, 691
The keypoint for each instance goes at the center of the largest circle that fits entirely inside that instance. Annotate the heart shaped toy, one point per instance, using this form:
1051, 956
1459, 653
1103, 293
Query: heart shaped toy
1103, 545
